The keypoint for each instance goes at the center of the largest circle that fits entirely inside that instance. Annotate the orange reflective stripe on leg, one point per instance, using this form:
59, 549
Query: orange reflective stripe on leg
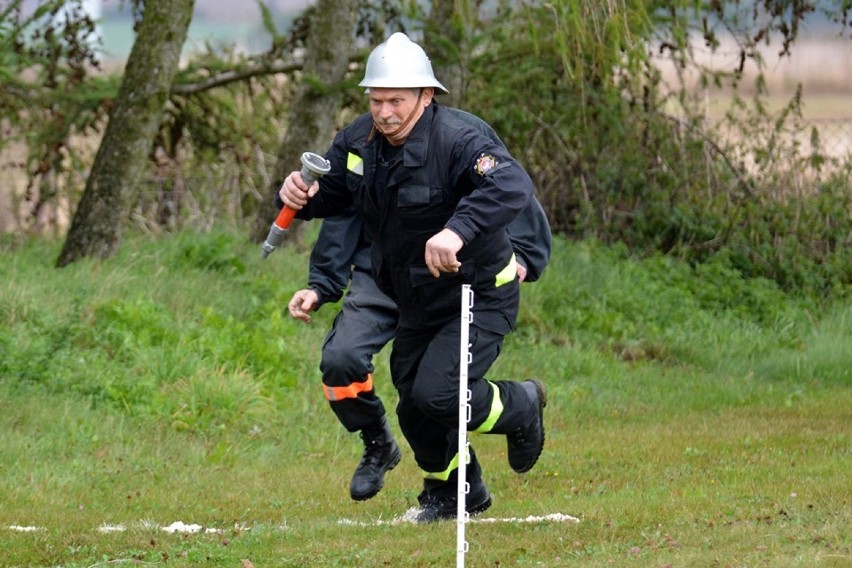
350, 391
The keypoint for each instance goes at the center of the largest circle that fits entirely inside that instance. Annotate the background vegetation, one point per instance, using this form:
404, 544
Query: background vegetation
693, 328
603, 102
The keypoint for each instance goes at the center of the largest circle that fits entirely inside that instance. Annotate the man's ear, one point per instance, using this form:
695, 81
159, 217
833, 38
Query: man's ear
428, 94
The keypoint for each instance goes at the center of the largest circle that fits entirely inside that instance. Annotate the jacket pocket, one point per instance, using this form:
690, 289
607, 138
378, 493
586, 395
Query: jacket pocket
422, 208
440, 297
415, 196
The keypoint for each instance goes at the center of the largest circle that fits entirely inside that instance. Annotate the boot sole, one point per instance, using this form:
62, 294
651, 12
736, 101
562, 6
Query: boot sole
542, 402
395, 459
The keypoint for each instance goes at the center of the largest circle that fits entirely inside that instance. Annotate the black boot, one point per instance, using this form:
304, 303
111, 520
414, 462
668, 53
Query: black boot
381, 454
439, 499
443, 505
525, 444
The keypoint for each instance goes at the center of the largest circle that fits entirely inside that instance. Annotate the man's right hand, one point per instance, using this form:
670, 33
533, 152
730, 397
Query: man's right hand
303, 302
294, 193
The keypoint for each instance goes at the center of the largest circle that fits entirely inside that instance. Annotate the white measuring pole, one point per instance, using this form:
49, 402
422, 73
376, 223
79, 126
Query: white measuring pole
464, 417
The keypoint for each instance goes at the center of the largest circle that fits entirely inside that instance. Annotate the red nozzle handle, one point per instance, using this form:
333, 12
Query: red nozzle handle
285, 217
314, 167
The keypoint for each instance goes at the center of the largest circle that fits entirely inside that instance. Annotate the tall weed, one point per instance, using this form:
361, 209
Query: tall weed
660, 309
181, 311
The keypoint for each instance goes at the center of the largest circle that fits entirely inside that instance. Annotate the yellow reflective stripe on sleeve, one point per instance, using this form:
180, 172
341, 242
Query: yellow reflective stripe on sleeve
355, 164
496, 411
507, 274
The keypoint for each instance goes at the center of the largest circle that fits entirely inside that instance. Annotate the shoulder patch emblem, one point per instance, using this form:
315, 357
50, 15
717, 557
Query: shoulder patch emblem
485, 163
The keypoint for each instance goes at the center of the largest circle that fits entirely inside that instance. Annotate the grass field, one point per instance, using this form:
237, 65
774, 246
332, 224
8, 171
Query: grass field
694, 419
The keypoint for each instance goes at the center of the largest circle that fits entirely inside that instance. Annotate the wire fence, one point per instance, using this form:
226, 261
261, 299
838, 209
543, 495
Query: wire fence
831, 137
835, 136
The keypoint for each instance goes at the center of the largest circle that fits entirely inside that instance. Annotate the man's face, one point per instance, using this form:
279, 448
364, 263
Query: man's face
391, 108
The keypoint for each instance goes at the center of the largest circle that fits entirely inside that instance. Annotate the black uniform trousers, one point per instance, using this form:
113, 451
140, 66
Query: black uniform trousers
425, 370
365, 324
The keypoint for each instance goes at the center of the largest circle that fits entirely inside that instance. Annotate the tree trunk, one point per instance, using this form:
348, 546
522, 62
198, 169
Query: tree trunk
330, 43
123, 153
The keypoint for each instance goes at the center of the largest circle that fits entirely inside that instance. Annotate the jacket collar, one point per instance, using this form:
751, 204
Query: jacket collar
417, 145
415, 149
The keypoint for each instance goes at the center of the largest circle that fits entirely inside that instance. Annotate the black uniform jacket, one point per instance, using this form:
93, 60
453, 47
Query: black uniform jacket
343, 246
451, 176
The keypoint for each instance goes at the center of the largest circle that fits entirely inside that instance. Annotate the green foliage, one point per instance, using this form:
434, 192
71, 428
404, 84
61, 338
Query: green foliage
49, 94
215, 313
128, 343
217, 254
575, 90
214, 401
709, 315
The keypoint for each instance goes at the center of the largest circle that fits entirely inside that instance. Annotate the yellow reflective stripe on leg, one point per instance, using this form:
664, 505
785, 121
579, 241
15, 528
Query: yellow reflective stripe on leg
355, 164
445, 475
507, 274
496, 411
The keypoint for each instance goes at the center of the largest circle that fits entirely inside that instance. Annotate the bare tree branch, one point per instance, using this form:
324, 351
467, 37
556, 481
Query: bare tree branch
235, 76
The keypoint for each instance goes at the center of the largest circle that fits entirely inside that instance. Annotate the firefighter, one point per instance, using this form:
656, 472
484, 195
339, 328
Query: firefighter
367, 322
436, 196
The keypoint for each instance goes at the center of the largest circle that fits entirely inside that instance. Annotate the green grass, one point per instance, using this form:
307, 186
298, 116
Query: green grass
695, 418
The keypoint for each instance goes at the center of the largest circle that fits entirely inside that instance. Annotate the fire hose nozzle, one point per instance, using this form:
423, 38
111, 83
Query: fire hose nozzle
314, 167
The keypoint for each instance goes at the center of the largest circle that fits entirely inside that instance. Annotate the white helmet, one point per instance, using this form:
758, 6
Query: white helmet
399, 63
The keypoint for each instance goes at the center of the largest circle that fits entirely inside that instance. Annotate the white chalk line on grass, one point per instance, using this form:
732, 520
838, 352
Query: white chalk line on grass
19, 528
176, 527
411, 515
408, 517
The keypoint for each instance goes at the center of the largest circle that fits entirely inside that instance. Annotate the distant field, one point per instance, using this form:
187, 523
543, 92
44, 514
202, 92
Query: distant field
249, 36
817, 64
815, 106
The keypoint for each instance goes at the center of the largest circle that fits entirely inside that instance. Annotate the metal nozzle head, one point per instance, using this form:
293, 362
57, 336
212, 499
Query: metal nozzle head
266, 250
314, 167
